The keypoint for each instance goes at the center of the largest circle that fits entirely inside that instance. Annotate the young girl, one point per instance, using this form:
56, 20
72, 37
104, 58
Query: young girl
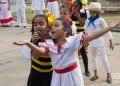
65, 13
63, 52
53, 7
79, 19
38, 6
5, 14
41, 68
98, 46
21, 15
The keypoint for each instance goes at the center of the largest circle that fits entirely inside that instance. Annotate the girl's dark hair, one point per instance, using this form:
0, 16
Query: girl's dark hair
66, 7
43, 16
66, 26
79, 3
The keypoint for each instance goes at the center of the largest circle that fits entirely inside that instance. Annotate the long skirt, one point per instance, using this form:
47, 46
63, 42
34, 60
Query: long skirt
5, 15
53, 7
72, 78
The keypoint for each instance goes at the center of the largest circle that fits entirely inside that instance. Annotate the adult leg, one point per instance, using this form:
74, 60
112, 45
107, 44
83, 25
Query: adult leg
18, 18
23, 17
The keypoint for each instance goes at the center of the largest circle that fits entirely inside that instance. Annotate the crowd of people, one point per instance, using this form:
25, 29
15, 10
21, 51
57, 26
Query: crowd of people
57, 48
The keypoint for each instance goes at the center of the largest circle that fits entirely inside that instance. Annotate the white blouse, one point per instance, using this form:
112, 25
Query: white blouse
67, 54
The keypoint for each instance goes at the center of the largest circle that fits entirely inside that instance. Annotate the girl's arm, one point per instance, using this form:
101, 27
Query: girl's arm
81, 20
35, 40
41, 50
96, 34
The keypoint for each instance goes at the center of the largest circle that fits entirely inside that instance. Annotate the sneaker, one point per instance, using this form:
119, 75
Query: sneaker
94, 78
24, 26
5, 25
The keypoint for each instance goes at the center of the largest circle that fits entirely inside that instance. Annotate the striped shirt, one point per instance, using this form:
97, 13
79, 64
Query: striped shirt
77, 23
42, 64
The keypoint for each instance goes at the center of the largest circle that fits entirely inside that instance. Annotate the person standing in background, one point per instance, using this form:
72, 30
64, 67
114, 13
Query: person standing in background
79, 19
53, 7
98, 46
38, 6
21, 15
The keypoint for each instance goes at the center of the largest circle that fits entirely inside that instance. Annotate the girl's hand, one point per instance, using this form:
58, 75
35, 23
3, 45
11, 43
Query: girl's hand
111, 46
20, 43
35, 36
114, 24
76, 13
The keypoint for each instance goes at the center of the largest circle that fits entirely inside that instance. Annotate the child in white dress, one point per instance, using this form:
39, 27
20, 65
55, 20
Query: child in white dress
65, 13
63, 52
5, 13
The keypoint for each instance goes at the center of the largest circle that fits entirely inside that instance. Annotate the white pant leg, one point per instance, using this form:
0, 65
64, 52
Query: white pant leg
103, 55
19, 17
38, 12
94, 55
23, 16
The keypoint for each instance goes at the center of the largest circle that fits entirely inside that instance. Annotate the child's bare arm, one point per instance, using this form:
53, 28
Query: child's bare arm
88, 38
41, 50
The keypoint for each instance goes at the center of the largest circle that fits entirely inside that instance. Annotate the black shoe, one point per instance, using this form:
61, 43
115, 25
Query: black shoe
109, 80
87, 74
17, 26
94, 78
24, 26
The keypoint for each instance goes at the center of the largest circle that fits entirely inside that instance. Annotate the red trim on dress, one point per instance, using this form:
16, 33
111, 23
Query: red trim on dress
59, 46
51, 0
3, 21
68, 69
70, 22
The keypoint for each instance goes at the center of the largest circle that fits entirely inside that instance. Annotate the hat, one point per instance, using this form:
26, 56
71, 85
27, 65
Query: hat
95, 6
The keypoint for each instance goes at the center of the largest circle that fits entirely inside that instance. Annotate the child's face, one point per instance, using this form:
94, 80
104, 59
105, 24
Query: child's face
64, 14
93, 13
76, 6
63, 1
57, 30
40, 25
